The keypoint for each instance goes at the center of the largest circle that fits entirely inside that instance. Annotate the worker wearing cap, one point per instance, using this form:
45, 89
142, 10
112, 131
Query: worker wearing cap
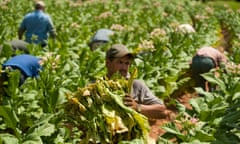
37, 25
141, 99
15, 45
102, 36
28, 65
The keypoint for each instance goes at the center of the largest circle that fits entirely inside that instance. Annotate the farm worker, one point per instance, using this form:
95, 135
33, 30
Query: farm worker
36, 26
28, 65
101, 37
16, 45
205, 59
141, 99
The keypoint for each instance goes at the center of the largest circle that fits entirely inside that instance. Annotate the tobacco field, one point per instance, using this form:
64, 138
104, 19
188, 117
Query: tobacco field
63, 106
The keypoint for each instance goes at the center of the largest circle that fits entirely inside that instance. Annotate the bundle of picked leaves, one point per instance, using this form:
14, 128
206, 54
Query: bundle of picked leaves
98, 111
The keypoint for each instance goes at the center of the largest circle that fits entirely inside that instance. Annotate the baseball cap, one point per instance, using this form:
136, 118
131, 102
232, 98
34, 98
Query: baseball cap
118, 51
102, 35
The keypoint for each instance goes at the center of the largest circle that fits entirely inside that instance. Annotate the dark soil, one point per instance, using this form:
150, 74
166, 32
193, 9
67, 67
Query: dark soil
155, 125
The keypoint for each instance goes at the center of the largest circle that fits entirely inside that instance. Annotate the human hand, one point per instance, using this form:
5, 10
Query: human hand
130, 102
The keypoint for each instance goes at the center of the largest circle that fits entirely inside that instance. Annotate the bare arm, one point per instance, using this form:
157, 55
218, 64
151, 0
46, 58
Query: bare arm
154, 111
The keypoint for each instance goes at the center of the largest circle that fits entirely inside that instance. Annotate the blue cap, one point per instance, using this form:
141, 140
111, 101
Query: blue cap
28, 64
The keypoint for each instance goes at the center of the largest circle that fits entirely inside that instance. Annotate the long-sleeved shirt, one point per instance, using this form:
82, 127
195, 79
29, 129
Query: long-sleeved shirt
36, 26
29, 65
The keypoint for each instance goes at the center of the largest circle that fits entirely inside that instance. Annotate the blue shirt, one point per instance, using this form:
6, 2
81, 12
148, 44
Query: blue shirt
28, 64
39, 24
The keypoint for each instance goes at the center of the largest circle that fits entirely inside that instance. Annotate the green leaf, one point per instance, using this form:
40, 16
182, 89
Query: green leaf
194, 103
204, 136
10, 117
33, 139
44, 130
172, 128
13, 83
236, 96
180, 107
35, 136
230, 117
8, 139
43, 120
62, 96
6, 50
130, 81
212, 79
